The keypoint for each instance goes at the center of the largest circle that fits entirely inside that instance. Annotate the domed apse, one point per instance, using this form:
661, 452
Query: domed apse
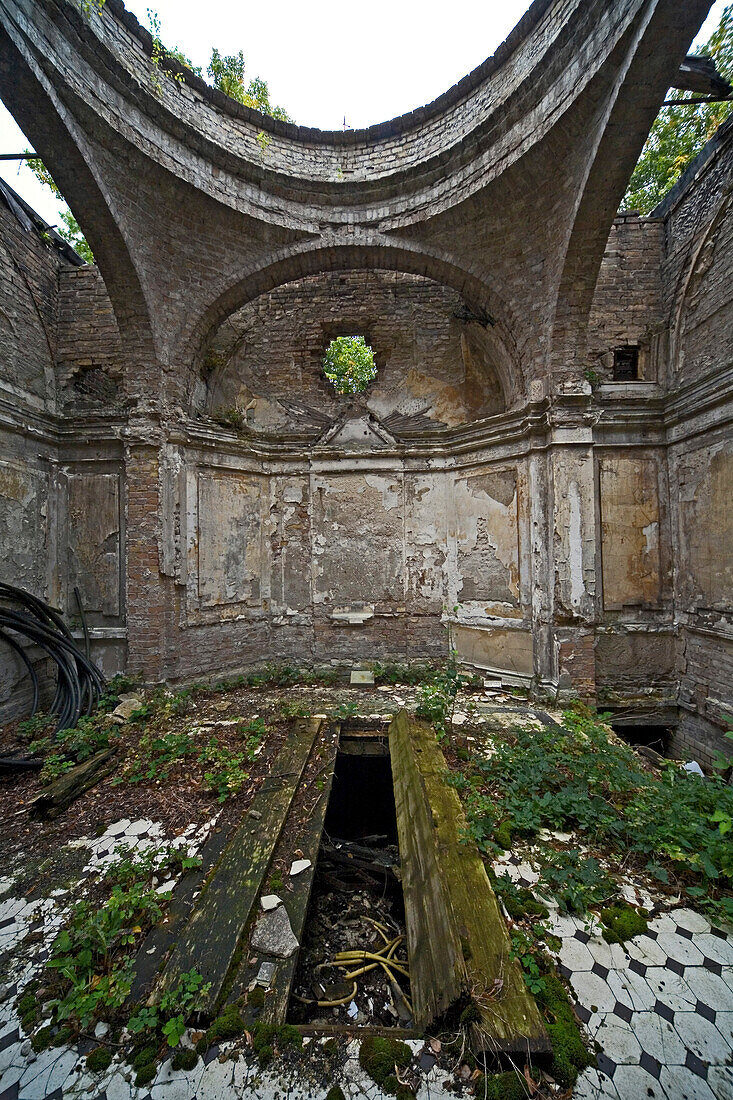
438, 364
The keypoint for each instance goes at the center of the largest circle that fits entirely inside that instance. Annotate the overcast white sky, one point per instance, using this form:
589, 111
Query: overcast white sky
325, 60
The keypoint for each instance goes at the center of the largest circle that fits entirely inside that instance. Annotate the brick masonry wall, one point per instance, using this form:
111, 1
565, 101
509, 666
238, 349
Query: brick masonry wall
698, 292
431, 358
28, 310
627, 304
89, 356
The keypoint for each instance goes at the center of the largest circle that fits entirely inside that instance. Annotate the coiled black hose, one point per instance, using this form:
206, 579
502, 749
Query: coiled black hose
79, 683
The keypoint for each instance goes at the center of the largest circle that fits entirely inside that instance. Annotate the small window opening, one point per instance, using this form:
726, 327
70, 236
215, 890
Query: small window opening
626, 363
349, 364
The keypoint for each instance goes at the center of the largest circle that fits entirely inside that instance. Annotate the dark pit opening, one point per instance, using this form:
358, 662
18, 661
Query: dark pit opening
361, 805
356, 903
648, 736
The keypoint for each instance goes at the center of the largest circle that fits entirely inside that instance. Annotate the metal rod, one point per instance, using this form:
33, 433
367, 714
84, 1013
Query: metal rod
20, 156
692, 102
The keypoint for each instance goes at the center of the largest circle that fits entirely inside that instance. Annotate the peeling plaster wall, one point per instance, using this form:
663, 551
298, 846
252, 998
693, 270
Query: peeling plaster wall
352, 558
61, 495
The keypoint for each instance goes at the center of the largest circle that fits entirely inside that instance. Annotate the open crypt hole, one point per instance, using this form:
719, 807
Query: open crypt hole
642, 734
353, 966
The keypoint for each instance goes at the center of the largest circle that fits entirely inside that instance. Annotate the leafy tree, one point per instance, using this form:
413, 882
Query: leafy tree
680, 132
349, 364
227, 74
69, 228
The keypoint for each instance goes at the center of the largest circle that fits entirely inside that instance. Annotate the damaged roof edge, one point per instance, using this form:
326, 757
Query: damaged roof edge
33, 222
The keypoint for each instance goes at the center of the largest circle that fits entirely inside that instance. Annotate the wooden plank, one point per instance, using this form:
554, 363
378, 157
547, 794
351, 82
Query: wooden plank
59, 795
438, 976
211, 938
510, 1019
306, 837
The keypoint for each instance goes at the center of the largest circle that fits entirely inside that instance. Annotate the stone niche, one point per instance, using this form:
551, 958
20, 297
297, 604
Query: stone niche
438, 365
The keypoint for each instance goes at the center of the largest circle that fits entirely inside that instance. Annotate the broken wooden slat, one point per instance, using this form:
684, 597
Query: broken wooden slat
60, 794
464, 902
438, 975
210, 940
296, 902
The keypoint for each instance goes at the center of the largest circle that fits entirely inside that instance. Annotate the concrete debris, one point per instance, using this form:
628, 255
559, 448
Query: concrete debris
299, 865
273, 935
126, 708
270, 901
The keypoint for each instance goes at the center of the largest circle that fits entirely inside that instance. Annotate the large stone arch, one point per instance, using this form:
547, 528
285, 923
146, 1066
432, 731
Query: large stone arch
389, 256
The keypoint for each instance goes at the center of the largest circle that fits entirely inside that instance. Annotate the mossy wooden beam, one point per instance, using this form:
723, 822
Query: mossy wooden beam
209, 941
438, 975
456, 902
306, 836
59, 795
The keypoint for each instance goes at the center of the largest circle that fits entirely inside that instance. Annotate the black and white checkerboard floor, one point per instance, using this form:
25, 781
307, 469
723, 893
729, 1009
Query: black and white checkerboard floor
660, 1007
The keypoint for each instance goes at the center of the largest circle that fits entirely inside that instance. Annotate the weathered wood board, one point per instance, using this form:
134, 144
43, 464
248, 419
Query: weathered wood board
437, 970
210, 940
308, 836
457, 939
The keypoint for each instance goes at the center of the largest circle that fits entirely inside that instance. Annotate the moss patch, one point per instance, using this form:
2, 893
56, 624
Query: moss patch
501, 1086
524, 905
184, 1059
265, 1037
143, 1056
622, 922
145, 1073
229, 1025
569, 1054
98, 1060
378, 1057
503, 835
42, 1039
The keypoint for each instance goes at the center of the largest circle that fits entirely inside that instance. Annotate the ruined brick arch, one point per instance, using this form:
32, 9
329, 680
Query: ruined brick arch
623, 124
41, 113
692, 285
485, 304
511, 177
